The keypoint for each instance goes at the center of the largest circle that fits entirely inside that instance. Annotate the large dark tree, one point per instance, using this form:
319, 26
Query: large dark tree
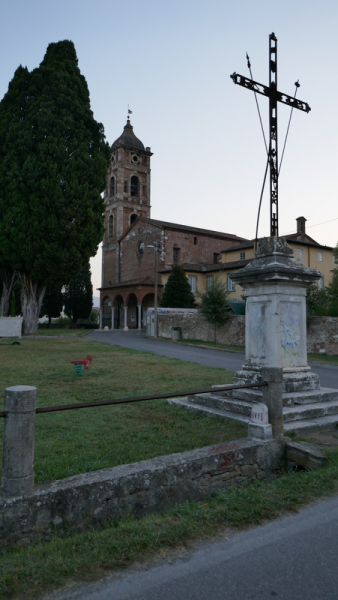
177, 292
78, 296
52, 304
53, 164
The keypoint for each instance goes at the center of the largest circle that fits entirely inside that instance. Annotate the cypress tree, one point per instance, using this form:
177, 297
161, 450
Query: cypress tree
78, 296
177, 292
52, 304
53, 164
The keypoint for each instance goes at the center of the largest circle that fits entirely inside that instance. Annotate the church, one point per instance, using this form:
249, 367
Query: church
128, 257
131, 235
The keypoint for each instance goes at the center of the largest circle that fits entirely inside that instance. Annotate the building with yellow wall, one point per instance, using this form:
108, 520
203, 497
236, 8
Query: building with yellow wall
306, 250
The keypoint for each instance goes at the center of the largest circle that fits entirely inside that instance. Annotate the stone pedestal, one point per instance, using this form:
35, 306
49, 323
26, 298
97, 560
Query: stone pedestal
275, 286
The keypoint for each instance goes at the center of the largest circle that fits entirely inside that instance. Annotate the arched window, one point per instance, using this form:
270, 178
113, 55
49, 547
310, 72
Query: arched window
133, 218
111, 226
134, 186
112, 187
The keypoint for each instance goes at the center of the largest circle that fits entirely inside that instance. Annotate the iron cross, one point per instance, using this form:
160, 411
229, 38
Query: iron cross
274, 96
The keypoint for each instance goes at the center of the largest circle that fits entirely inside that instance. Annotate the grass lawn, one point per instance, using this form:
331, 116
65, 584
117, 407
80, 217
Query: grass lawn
88, 556
63, 332
323, 358
72, 442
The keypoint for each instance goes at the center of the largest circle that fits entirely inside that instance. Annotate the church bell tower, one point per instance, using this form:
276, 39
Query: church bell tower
127, 196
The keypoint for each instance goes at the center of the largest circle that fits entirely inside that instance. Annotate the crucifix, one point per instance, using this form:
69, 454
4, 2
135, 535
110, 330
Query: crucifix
274, 96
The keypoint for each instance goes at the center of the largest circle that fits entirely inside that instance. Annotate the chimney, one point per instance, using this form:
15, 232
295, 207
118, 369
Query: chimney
301, 225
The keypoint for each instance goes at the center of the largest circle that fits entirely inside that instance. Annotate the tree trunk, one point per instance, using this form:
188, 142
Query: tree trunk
7, 287
31, 300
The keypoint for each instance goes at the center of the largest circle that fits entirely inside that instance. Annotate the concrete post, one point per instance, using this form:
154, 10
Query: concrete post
273, 398
125, 318
18, 444
112, 317
139, 306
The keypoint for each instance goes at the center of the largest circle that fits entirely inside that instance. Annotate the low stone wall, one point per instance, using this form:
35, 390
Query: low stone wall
322, 335
95, 499
195, 327
10, 327
322, 332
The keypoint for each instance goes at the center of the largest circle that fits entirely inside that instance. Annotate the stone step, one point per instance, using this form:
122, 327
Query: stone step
296, 418
225, 414
223, 403
309, 425
292, 398
310, 411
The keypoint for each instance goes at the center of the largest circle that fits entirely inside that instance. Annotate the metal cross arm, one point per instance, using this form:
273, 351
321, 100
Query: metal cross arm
260, 88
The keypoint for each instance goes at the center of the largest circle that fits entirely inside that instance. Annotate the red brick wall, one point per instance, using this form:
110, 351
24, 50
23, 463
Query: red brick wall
133, 264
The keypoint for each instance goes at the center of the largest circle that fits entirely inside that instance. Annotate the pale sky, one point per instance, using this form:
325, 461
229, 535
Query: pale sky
171, 62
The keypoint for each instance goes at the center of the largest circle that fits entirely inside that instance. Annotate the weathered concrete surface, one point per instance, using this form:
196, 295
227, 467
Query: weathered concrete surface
10, 327
95, 499
18, 441
307, 455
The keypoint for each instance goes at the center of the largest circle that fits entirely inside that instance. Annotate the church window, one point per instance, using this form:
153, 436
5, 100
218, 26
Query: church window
193, 283
231, 285
195, 241
210, 282
112, 187
176, 255
242, 256
134, 186
141, 248
215, 257
125, 187
111, 226
133, 218
134, 158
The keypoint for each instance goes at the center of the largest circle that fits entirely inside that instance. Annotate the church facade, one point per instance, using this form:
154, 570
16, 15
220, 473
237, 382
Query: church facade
128, 257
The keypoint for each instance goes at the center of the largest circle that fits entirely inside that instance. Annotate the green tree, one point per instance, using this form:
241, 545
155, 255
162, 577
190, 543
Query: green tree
53, 165
317, 301
214, 306
52, 304
177, 292
78, 296
332, 294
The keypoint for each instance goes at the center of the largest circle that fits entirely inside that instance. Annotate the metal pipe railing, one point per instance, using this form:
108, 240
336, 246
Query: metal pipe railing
46, 409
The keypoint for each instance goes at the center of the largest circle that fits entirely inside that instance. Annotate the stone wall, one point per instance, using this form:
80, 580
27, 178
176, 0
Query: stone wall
322, 332
10, 327
95, 499
195, 327
322, 335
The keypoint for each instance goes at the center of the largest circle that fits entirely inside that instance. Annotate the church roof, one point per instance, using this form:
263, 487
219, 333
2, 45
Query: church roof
128, 139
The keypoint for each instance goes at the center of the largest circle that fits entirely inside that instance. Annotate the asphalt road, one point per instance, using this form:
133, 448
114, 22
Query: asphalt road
292, 558
232, 361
